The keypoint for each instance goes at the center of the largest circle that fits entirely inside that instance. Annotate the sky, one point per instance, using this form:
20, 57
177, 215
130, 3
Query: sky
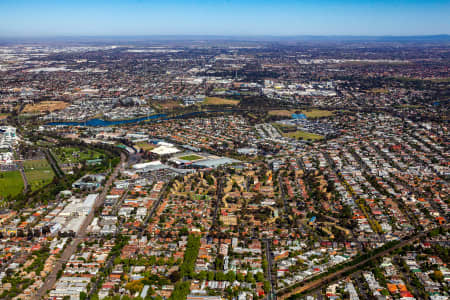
40, 18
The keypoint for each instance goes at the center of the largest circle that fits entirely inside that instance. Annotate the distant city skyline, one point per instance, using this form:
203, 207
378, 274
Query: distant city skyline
28, 18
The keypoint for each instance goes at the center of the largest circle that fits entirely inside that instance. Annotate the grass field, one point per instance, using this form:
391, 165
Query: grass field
439, 80
68, 155
167, 105
190, 157
219, 101
38, 173
379, 91
303, 135
145, 146
281, 113
311, 113
10, 183
45, 106
288, 131
408, 106
3, 116
317, 113
284, 127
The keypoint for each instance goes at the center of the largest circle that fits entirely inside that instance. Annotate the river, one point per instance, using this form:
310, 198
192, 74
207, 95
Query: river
102, 123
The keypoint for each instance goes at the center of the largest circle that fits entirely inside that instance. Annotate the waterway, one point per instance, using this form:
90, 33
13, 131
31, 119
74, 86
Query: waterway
158, 117
102, 123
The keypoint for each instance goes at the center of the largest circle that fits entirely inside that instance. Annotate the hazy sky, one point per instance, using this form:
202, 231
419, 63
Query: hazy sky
223, 17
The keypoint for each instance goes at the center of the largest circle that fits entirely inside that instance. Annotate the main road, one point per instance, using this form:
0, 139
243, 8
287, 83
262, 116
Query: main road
271, 295
81, 234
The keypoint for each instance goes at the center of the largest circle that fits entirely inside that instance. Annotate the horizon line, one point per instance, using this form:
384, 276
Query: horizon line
230, 36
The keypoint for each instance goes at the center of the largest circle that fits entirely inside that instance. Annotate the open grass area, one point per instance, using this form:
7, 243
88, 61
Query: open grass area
439, 80
379, 91
310, 113
145, 146
291, 132
303, 135
281, 113
38, 172
167, 105
284, 127
67, 155
190, 157
11, 183
44, 106
219, 101
317, 113
4, 116
408, 106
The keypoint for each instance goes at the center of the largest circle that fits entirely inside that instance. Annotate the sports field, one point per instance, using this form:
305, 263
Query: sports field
145, 146
38, 173
191, 157
303, 135
10, 183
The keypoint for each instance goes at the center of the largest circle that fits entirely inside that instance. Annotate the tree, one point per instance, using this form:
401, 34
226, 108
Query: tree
184, 231
210, 276
94, 297
249, 278
220, 276
181, 290
175, 276
219, 262
134, 286
265, 264
260, 277
190, 256
202, 275
230, 276
437, 276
